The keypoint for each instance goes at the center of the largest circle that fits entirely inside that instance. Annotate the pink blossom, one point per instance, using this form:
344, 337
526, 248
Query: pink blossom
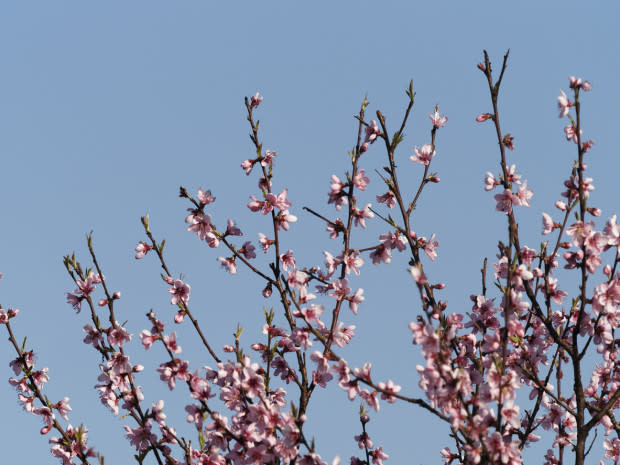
483, 117
360, 216
394, 241
438, 121
342, 336
390, 389
205, 197
40, 377
75, 301
564, 104
512, 175
201, 225
63, 407
147, 339
612, 449
528, 255
287, 260
283, 218
505, 201
255, 205
360, 180
118, 335
524, 195
381, 254
388, 199
378, 456
337, 195
247, 165
265, 242
571, 133
430, 246
353, 262
490, 181
267, 159
548, 224
141, 249
171, 343
232, 230
372, 131
334, 228
255, 100
355, 300
180, 292
85, 287
27, 402
141, 437
228, 263
248, 250
340, 288
612, 231
423, 155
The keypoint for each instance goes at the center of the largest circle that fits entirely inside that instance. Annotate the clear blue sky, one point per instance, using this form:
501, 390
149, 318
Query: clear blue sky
105, 109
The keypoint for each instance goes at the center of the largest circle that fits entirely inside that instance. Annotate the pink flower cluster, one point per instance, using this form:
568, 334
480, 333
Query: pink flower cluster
494, 375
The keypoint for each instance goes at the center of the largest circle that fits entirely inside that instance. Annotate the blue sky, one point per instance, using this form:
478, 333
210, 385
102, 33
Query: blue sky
106, 109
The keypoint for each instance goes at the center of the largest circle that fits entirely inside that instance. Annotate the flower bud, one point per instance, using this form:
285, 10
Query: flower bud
267, 291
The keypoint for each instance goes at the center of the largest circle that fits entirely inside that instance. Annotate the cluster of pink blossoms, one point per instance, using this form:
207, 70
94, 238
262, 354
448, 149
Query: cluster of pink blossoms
475, 364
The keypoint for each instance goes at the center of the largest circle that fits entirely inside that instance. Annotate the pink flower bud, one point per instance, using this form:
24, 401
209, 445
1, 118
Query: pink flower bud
483, 117
267, 291
561, 205
116, 295
607, 270
102, 302
228, 348
587, 145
